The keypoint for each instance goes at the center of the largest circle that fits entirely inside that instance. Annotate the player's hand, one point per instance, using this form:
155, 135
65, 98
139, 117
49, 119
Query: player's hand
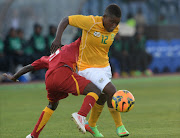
10, 77
54, 46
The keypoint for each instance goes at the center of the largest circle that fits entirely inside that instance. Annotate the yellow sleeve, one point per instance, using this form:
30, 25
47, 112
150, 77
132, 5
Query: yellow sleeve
82, 22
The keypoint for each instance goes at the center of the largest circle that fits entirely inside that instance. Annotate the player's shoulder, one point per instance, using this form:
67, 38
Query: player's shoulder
92, 18
44, 58
96, 18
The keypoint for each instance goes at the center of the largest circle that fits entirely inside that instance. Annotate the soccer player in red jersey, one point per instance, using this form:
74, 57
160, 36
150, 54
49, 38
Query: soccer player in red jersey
60, 80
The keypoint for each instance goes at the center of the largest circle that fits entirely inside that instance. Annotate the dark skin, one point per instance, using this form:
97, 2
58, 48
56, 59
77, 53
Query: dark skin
52, 105
109, 23
24, 70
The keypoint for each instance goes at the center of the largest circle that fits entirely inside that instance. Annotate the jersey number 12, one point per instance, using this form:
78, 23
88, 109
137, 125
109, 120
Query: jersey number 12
104, 38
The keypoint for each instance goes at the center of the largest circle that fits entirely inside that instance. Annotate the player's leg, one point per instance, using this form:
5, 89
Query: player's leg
97, 109
98, 77
94, 116
43, 119
109, 89
53, 99
82, 86
96, 112
120, 129
92, 94
53, 105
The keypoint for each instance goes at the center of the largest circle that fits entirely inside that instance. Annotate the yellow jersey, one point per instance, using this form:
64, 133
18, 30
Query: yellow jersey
95, 41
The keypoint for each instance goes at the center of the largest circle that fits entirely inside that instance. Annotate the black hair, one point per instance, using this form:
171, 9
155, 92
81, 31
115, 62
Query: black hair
52, 26
36, 25
11, 30
19, 30
113, 10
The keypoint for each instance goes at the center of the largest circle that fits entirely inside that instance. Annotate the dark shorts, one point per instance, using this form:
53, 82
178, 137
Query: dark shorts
63, 81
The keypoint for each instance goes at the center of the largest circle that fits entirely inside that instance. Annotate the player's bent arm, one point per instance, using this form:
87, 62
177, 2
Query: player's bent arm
22, 71
57, 41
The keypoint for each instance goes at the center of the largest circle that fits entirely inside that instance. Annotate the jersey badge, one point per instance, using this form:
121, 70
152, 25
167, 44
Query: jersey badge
112, 37
101, 80
97, 34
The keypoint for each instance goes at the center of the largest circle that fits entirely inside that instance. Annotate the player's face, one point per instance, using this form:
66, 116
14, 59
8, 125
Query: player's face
110, 23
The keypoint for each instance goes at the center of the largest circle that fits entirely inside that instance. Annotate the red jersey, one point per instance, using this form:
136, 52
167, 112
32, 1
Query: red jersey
67, 55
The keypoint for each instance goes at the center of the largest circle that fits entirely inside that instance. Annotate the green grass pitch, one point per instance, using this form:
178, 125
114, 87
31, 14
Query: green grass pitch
156, 113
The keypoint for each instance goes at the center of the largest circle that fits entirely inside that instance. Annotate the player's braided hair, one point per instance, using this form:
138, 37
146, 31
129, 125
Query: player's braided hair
113, 9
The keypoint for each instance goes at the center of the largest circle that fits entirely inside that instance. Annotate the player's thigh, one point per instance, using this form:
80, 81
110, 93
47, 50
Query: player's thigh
99, 76
75, 84
56, 85
54, 94
91, 88
109, 89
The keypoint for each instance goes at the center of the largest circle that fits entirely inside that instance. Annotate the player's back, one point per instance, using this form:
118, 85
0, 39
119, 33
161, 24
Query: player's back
67, 55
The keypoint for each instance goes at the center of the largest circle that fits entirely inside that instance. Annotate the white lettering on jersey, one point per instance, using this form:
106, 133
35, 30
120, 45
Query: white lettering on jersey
53, 55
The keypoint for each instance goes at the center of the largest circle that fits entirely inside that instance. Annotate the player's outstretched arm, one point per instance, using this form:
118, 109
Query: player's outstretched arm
57, 41
22, 71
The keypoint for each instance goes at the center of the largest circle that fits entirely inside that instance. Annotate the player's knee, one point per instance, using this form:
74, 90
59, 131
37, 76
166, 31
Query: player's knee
109, 89
53, 105
102, 99
92, 88
97, 91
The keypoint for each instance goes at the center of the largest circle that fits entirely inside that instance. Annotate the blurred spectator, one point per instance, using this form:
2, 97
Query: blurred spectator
162, 20
120, 56
139, 17
130, 20
37, 42
20, 35
3, 58
140, 59
28, 51
14, 50
50, 37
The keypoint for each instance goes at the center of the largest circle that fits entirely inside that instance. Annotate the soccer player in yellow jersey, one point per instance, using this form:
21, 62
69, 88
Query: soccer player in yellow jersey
98, 34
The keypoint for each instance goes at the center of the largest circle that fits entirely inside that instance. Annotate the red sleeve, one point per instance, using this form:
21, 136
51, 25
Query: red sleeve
41, 63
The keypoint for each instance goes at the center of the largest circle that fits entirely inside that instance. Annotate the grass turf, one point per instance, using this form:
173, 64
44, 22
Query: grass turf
156, 113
